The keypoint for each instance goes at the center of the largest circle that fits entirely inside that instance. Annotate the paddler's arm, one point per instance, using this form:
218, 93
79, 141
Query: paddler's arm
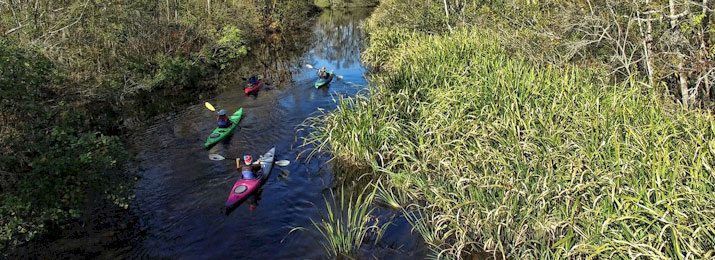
257, 165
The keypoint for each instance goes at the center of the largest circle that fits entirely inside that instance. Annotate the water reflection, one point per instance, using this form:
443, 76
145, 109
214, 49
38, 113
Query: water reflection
338, 37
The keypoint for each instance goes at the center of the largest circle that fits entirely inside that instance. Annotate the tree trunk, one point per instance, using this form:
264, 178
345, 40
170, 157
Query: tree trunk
680, 74
673, 21
706, 23
208, 6
647, 41
704, 51
686, 98
446, 12
168, 12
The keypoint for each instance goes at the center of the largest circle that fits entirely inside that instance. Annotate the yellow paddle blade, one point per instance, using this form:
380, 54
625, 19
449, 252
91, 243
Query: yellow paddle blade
209, 106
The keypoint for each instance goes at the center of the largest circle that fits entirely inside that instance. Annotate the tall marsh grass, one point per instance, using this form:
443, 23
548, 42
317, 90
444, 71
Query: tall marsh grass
528, 162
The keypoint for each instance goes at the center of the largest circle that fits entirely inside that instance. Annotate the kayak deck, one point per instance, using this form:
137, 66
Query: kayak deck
220, 133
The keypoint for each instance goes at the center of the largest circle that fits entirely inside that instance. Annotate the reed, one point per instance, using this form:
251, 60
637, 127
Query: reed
527, 162
348, 223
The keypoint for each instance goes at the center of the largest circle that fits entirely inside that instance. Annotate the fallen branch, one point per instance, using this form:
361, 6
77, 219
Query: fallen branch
8, 32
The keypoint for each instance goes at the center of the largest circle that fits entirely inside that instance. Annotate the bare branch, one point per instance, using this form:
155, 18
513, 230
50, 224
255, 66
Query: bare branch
81, 15
8, 32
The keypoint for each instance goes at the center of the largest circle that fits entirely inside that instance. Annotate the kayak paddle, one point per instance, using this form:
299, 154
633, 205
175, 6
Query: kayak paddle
311, 67
283, 163
209, 106
216, 157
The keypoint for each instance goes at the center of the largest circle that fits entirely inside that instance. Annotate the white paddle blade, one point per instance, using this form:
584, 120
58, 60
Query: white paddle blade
283, 163
216, 157
340, 77
309, 66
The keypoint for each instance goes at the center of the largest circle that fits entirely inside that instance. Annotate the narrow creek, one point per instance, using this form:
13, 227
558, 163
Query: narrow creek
181, 193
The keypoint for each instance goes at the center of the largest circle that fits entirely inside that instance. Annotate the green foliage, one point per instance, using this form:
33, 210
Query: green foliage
527, 162
175, 72
230, 46
65, 167
22, 75
349, 3
52, 162
293, 14
322, 3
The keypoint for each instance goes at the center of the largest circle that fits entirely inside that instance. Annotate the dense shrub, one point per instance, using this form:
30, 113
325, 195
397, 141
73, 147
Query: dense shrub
48, 160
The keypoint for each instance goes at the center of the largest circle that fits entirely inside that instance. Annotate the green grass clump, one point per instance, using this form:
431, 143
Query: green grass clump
322, 3
528, 162
348, 223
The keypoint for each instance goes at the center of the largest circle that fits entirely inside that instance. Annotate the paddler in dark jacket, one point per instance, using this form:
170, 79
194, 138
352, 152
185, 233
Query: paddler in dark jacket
253, 80
249, 169
222, 119
322, 73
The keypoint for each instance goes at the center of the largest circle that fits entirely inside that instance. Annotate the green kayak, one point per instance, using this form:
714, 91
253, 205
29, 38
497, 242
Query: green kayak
322, 82
221, 133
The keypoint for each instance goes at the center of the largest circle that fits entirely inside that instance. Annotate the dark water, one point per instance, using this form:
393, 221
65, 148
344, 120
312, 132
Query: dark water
181, 194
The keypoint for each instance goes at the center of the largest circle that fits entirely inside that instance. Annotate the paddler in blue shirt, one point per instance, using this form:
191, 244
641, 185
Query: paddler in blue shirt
222, 119
249, 169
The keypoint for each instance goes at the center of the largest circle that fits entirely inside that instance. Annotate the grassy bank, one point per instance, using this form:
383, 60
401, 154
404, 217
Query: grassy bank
521, 159
72, 71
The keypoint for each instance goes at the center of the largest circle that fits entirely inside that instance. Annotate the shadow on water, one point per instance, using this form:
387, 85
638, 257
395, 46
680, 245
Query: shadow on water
180, 197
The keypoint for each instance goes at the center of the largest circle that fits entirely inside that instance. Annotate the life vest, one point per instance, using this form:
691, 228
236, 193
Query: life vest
223, 121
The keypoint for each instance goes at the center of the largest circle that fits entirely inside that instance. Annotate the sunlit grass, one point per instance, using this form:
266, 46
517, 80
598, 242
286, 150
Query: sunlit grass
527, 162
322, 3
348, 223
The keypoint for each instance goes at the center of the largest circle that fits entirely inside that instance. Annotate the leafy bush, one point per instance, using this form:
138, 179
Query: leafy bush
50, 162
230, 46
175, 72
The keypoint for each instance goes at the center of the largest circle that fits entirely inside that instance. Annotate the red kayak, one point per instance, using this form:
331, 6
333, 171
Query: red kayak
251, 88
245, 187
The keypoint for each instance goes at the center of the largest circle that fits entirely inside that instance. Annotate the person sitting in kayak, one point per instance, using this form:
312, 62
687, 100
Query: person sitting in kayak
323, 74
222, 119
253, 80
250, 169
